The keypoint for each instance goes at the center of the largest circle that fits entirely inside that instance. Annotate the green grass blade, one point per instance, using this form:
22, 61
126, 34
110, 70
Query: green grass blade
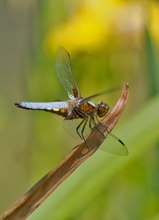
152, 63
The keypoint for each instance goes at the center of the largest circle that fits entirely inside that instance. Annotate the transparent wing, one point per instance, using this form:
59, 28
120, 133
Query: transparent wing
111, 143
70, 128
65, 73
113, 146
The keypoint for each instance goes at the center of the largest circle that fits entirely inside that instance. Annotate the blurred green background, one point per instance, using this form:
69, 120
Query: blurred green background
110, 42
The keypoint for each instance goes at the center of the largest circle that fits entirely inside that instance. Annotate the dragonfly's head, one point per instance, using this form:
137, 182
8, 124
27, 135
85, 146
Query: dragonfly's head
102, 109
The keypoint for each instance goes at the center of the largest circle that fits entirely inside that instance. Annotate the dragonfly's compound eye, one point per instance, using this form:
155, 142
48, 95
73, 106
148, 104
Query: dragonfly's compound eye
102, 109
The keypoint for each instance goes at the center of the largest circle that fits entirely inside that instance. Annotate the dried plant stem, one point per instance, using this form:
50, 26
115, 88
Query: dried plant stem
46, 185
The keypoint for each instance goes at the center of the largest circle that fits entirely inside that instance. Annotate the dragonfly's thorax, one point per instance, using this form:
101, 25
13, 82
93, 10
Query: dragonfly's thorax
81, 109
87, 108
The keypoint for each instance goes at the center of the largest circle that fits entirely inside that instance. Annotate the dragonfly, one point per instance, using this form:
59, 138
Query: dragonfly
84, 109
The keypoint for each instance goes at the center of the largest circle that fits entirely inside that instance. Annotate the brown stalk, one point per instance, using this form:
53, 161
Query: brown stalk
47, 184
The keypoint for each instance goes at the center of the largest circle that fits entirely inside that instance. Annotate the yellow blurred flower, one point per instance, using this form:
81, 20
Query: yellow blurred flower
89, 27
97, 21
84, 30
154, 20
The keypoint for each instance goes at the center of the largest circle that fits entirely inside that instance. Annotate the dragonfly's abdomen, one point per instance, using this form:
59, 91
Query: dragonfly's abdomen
60, 108
60, 111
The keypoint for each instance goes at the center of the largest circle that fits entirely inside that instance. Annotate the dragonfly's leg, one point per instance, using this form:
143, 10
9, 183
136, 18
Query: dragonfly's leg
82, 115
90, 124
78, 127
96, 126
84, 126
110, 133
85, 120
82, 132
